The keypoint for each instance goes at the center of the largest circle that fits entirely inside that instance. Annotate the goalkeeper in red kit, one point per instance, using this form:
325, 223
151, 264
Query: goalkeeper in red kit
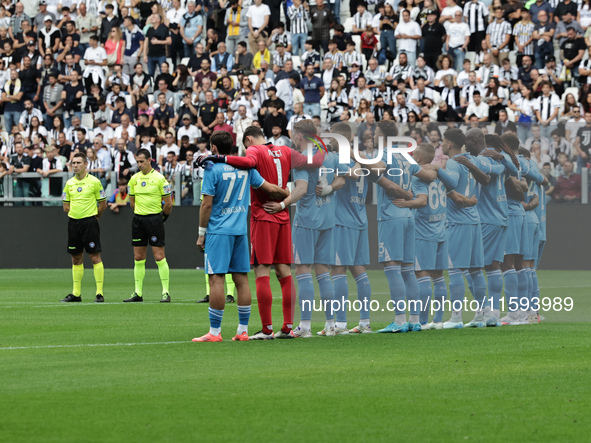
270, 232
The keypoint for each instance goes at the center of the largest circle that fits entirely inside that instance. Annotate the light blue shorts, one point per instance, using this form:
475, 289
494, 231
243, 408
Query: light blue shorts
351, 246
396, 240
464, 243
226, 254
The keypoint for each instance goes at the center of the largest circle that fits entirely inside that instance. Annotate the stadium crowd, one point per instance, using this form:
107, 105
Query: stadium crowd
110, 77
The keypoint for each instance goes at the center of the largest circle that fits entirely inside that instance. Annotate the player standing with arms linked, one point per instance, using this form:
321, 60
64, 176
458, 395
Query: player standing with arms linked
466, 254
223, 228
396, 230
270, 231
147, 189
80, 196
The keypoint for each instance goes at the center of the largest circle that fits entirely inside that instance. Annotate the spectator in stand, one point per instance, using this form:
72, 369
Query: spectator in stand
568, 185
258, 16
408, 32
457, 40
20, 163
158, 38
369, 43
498, 37
313, 89
322, 22
49, 36
298, 15
476, 15
87, 25
120, 197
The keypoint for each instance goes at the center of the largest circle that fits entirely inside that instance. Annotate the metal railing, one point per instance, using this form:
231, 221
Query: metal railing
177, 187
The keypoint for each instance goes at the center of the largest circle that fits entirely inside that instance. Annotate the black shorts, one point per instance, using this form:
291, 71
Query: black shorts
84, 234
147, 229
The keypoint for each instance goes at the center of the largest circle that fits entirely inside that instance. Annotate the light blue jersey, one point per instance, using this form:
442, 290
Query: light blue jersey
399, 171
541, 211
313, 212
350, 201
515, 207
231, 197
457, 177
492, 198
532, 190
430, 220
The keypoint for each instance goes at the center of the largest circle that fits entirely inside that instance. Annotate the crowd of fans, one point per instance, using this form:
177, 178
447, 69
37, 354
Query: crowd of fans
108, 77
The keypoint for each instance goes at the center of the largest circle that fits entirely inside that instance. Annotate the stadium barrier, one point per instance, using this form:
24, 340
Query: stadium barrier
9, 181
35, 237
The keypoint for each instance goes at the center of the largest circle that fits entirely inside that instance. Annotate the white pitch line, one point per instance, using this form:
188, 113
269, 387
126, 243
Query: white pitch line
93, 345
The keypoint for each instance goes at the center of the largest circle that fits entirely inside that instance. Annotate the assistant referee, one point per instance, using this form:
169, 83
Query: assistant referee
147, 190
80, 197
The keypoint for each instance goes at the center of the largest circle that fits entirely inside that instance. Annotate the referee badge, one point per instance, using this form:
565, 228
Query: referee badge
144, 184
91, 244
79, 189
154, 238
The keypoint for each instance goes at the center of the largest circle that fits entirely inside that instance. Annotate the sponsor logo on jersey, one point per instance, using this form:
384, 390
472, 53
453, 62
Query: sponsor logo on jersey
102, 194
167, 188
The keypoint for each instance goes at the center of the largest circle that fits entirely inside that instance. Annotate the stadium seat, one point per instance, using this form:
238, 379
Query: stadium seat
348, 24
490, 129
87, 120
185, 61
357, 40
296, 61
128, 101
83, 102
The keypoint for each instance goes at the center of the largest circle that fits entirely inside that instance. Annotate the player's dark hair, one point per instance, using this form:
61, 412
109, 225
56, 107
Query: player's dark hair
223, 141
493, 140
81, 155
252, 131
525, 153
147, 154
511, 141
388, 128
81, 130
305, 126
427, 152
121, 182
342, 128
456, 137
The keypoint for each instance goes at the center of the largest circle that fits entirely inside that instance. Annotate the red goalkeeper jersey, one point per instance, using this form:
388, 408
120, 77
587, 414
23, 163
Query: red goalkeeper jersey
274, 164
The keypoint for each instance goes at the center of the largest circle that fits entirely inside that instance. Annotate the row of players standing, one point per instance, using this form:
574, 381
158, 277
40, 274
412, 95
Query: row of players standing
494, 221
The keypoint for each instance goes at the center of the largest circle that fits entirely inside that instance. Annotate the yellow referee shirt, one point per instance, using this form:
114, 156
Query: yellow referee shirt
83, 196
149, 190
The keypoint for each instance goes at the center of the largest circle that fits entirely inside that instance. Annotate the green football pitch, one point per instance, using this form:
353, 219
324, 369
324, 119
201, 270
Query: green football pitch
114, 372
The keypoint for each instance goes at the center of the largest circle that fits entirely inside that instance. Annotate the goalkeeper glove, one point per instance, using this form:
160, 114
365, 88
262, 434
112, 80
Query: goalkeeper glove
210, 158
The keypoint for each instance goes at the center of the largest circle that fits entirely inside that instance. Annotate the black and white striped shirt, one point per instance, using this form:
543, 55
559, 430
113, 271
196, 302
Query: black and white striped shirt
362, 21
298, 18
523, 32
451, 97
468, 92
387, 94
401, 113
337, 58
498, 32
547, 105
509, 75
279, 60
426, 73
350, 57
475, 13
